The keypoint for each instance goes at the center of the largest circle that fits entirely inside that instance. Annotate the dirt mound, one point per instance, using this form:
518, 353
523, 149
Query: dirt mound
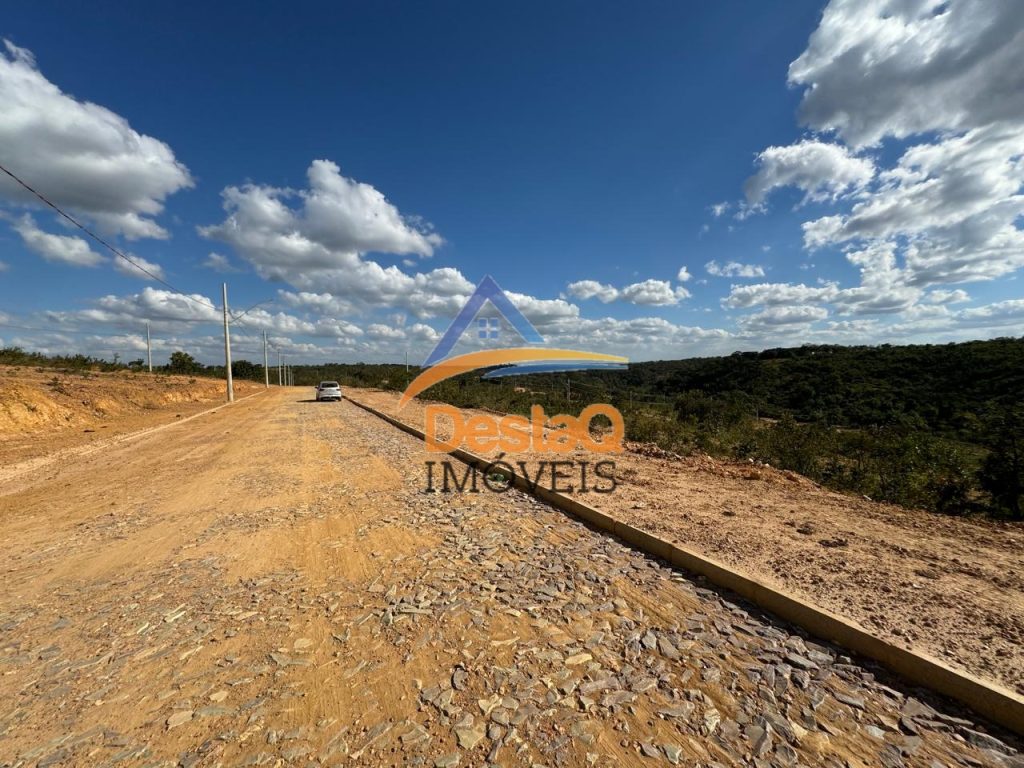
44, 412
33, 401
26, 409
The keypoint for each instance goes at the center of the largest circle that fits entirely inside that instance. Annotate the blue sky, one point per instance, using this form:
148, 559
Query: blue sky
815, 177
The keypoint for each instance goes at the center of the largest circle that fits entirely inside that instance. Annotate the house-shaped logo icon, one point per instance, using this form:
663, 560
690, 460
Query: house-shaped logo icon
488, 290
441, 364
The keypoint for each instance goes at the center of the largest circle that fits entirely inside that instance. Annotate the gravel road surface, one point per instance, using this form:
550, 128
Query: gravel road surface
952, 587
270, 585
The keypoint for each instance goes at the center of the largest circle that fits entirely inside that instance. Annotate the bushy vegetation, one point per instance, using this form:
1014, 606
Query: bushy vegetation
934, 426
18, 356
180, 363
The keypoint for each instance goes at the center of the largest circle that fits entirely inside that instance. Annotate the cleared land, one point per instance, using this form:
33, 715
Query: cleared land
48, 413
268, 584
949, 586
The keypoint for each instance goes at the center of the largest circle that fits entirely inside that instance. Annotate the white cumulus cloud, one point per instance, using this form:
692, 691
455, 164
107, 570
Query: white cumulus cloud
381, 331
219, 263
822, 171
947, 297
65, 249
336, 219
650, 293
317, 240
878, 68
654, 293
788, 318
80, 155
733, 269
592, 289
778, 294
141, 268
938, 87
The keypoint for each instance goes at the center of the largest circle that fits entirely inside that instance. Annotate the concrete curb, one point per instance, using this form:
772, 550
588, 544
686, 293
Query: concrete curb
998, 704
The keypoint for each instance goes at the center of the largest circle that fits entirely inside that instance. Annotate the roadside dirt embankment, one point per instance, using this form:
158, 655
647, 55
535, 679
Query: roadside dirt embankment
44, 410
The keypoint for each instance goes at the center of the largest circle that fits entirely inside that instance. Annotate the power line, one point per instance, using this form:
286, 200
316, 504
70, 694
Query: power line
238, 318
101, 241
233, 317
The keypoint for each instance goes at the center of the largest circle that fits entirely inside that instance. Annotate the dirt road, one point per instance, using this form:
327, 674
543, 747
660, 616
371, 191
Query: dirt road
48, 413
269, 585
949, 586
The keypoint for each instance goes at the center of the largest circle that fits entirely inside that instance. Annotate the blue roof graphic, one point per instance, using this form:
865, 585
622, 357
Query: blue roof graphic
488, 290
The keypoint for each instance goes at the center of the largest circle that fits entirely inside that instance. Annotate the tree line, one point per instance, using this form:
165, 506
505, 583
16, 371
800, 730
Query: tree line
934, 426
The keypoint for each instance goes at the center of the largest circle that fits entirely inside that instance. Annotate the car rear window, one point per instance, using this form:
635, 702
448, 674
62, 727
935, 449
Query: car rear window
326, 384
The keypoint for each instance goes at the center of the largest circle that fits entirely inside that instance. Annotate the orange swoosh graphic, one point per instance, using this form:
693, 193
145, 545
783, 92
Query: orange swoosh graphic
453, 366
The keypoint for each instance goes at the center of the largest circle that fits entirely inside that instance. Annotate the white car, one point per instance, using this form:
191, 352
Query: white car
328, 390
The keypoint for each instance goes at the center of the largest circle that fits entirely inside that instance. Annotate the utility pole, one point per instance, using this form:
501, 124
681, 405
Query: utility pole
227, 348
149, 348
266, 370
279, 368
568, 390
407, 361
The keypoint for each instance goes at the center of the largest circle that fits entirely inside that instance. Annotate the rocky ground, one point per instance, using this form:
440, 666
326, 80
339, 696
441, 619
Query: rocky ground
271, 585
951, 587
